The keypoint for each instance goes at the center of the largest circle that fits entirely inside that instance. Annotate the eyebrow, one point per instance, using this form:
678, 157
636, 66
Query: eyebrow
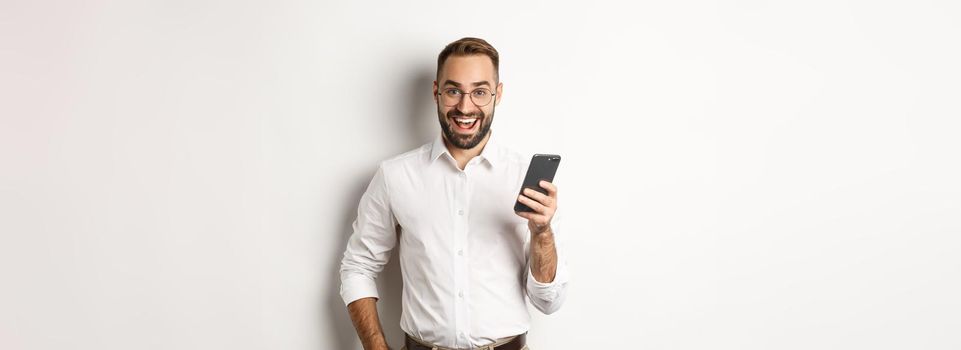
476, 83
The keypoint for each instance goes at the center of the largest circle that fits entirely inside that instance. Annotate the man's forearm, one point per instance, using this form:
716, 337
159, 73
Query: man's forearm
363, 313
543, 256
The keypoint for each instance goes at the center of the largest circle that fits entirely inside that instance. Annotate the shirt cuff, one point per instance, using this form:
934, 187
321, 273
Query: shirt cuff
547, 291
357, 287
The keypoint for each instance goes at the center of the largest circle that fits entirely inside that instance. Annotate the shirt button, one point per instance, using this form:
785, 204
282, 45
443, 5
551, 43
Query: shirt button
460, 294
460, 252
460, 212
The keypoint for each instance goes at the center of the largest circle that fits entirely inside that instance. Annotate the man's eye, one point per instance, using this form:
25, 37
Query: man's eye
480, 93
453, 92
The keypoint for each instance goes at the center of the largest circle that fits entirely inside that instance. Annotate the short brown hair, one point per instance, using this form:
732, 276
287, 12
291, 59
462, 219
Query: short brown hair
466, 47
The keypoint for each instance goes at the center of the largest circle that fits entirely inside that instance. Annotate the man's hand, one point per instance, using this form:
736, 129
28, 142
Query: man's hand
539, 221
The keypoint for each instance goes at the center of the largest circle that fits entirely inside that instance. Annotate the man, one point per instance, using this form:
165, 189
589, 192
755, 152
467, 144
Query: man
468, 261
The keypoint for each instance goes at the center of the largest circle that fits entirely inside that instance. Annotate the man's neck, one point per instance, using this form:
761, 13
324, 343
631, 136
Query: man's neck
462, 156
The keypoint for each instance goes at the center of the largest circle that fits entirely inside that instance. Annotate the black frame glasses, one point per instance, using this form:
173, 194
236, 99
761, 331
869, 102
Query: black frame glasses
457, 99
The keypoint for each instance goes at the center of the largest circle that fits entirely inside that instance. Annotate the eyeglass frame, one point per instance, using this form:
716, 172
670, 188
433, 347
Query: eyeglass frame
493, 96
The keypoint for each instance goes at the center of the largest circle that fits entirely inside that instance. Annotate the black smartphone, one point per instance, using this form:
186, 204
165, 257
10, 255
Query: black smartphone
543, 167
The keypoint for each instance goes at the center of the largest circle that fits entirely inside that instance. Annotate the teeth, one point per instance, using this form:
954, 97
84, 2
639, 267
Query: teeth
466, 121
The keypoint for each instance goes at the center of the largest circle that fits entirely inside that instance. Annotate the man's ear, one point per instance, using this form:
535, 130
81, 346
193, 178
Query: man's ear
500, 92
435, 91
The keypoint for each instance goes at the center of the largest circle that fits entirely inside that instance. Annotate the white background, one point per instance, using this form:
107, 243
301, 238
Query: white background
737, 174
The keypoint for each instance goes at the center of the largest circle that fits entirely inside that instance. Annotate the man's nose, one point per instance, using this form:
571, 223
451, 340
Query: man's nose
465, 105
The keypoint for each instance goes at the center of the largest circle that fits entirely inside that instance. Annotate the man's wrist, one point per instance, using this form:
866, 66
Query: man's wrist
544, 234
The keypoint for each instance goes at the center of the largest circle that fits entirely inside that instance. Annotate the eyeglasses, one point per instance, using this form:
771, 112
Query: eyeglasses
452, 97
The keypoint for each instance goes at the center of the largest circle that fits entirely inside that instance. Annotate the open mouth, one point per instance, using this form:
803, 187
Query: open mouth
465, 124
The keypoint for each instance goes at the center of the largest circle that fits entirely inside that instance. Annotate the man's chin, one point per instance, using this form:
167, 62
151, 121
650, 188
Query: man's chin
465, 141
461, 141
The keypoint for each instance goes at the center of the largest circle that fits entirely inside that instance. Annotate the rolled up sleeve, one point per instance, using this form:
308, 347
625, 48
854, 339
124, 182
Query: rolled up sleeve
548, 297
369, 247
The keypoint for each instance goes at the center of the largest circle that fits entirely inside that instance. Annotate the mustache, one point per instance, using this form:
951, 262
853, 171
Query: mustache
456, 113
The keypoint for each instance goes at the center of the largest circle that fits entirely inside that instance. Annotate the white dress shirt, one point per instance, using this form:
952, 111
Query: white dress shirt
464, 253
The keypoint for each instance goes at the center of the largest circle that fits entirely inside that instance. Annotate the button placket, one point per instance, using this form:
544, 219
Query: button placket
461, 308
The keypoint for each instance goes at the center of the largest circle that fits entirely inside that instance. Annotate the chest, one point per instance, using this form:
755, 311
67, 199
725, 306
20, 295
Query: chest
445, 209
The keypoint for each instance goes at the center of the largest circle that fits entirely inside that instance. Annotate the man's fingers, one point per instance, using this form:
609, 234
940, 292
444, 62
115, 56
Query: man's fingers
538, 207
537, 219
539, 197
530, 216
550, 187
524, 214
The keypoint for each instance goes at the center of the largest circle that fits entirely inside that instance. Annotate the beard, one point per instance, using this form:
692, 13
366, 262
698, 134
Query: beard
460, 140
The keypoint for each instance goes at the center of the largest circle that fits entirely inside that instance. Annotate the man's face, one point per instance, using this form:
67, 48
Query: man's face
466, 74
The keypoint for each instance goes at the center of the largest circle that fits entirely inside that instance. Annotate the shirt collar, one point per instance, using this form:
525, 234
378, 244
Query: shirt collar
490, 153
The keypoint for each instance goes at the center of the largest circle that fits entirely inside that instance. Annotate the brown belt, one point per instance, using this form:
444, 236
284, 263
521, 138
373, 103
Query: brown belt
515, 344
